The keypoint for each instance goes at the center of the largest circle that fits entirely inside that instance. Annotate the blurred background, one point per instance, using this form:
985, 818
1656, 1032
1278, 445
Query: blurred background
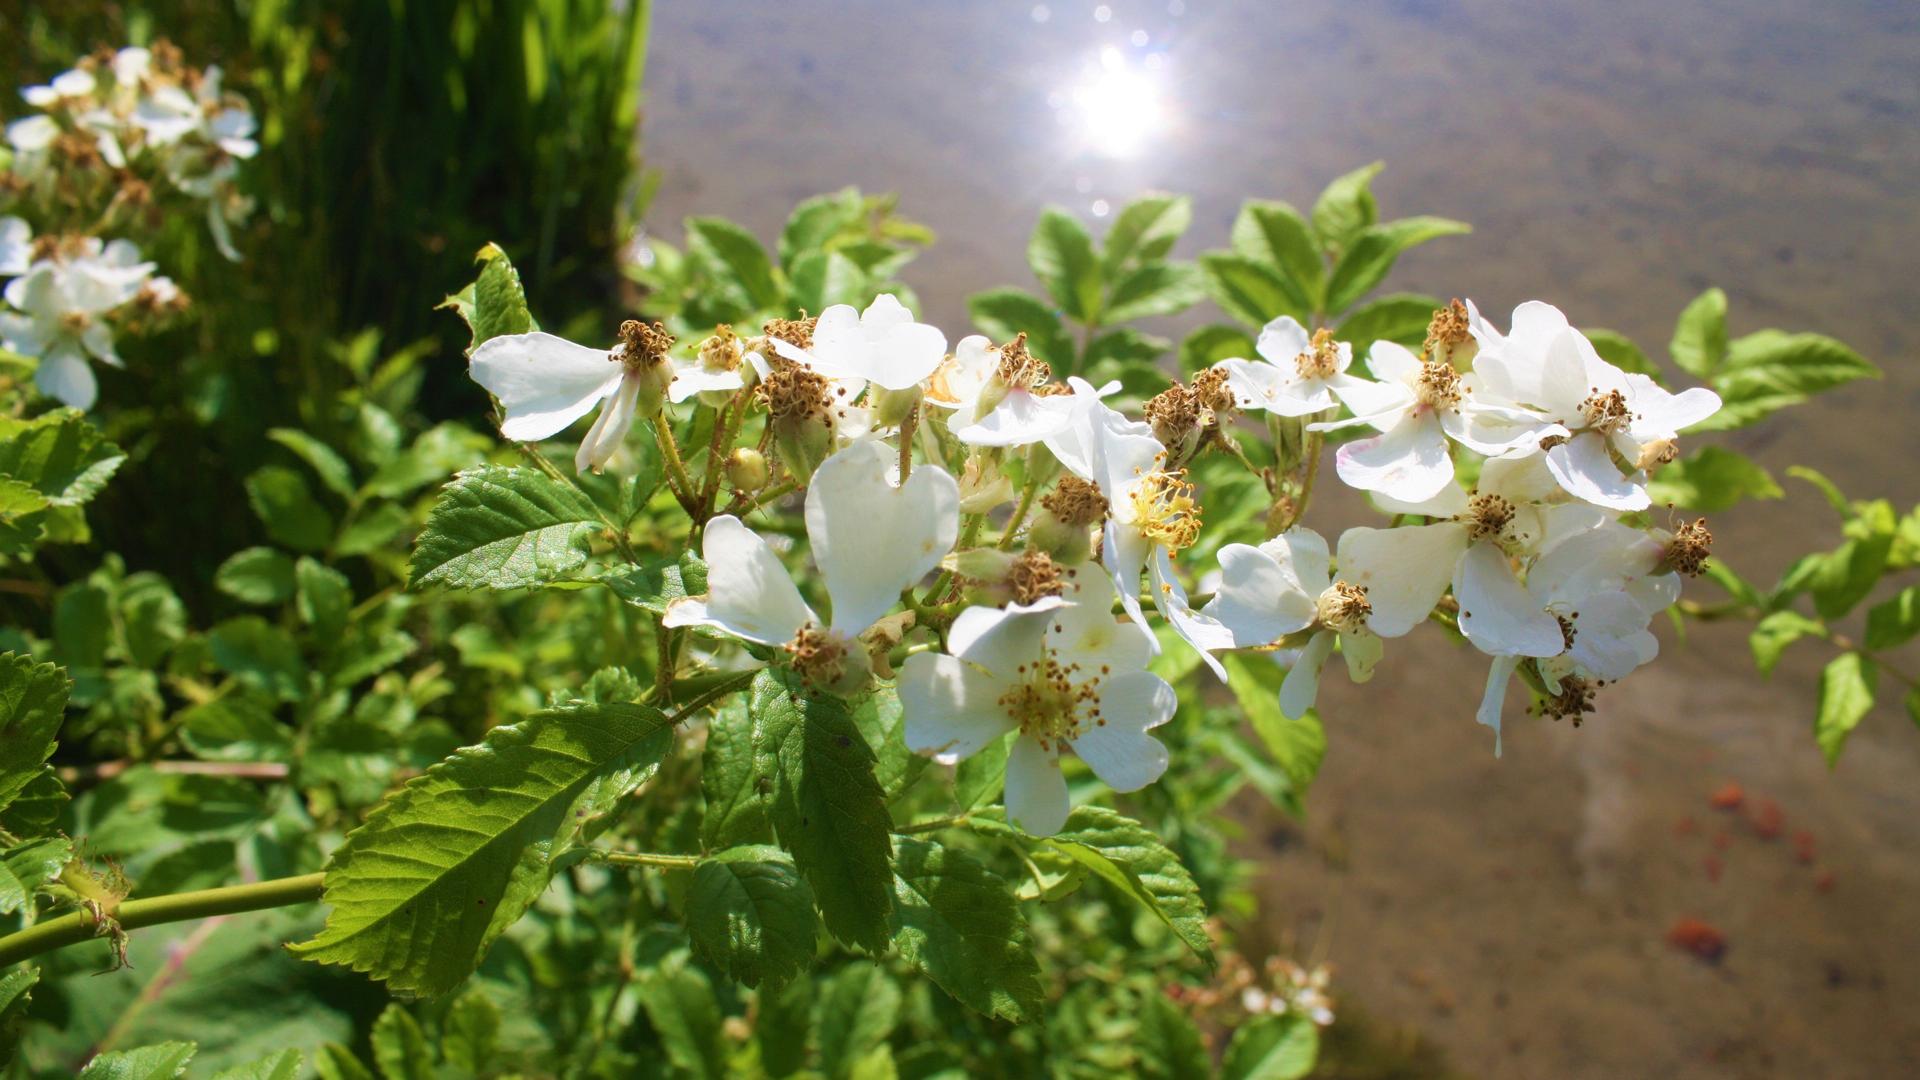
1490, 917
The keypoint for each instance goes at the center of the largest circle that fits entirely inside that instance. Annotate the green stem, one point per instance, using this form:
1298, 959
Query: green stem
934, 825
79, 926
647, 858
676, 469
1019, 515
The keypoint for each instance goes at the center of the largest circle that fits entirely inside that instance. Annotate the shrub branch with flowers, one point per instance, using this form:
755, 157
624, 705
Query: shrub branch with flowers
842, 654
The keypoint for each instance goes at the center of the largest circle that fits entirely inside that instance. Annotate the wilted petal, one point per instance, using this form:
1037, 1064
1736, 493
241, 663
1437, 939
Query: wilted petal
543, 382
1036, 792
873, 537
1493, 698
1361, 650
749, 594
1118, 749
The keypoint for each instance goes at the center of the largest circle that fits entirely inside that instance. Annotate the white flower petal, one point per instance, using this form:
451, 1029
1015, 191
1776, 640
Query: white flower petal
749, 594
16, 246
609, 431
1302, 684
1000, 640
1393, 363
1203, 632
1118, 748
691, 377
1124, 552
543, 382
1361, 650
65, 376
1496, 614
1660, 415
952, 708
1586, 471
1086, 631
1586, 562
1610, 637
1258, 600
1493, 698
871, 537
1408, 463
1282, 341
1021, 419
1405, 571
1036, 792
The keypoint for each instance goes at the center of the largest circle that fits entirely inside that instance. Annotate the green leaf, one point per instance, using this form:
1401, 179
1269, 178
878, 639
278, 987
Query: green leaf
883, 721
1248, 290
159, 1062
1126, 348
496, 304
470, 1035
1002, 313
1061, 255
1699, 343
1209, 345
1346, 207
1843, 577
256, 575
284, 1065
284, 504
1773, 634
335, 1062
235, 728
979, 777
1893, 622
680, 1004
1168, 1045
750, 915
1846, 696
1620, 351
827, 808
1372, 251
658, 580
1401, 318
503, 527
36, 809
1272, 1048
817, 220
324, 598
33, 699
959, 922
733, 255
399, 1046
1146, 229
28, 868
24, 514
326, 463
1710, 480
1297, 746
1275, 236
739, 795
857, 1011
1770, 370
59, 455
821, 279
1155, 288
259, 654
447, 863
16, 994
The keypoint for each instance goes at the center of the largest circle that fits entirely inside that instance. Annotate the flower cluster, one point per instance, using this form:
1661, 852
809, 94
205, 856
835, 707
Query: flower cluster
110, 145
1514, 467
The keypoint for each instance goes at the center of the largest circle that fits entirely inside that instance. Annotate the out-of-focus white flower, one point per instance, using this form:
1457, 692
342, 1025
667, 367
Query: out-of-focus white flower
60, 308
1060, 673
66, 86
16, 246
1546, 365
1417, 406
1300, 375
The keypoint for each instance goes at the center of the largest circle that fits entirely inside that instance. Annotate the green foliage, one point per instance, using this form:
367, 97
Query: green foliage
749, 913
1712, 479
1272, 1048
159, 1062
503, 527
957, 921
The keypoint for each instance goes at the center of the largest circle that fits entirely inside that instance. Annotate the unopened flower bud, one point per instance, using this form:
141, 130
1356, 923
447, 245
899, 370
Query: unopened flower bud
747, 469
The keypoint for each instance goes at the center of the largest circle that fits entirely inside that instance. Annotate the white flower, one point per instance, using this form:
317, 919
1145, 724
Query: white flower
881, 345
545, 383
1546, 365
61, 304
1062, 675
1301, 373
871, 536
16, 246
1287, 585
716, 371
1151, 513
1418, 406
68, 85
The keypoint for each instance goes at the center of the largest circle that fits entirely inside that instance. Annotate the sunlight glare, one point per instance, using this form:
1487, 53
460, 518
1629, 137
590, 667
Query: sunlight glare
1117, 106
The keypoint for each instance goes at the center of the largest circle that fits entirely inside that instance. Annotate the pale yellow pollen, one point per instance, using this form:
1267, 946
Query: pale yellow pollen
1322, 358
1165, 511
1054, 703
1438, 386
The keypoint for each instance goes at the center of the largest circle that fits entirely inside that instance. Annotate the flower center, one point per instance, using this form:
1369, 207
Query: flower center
1076, 502
795, 332
1568, 631
1211, 392
721, 352
1606, 413
822, 657
1446, 333
1488, 516
1164, 510
1688, 550
795, 394
1034, 576
1054, 702
1438, 386
641, 345
74, 322
1020, 369
1574, 700
1322, 358
1344, 607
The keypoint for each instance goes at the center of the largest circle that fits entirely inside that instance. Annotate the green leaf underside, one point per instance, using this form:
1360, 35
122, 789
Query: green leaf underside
959, 922
451, 860
503, 527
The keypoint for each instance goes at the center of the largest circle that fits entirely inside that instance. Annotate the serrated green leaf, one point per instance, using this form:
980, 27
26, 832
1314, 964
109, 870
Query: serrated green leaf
33, 699
59, 455
733, 255
658, 580
324, 598
1003, 313
750, 915
1248, 290
1770, 370
285, 505
495, 304
24, 514
1272, 1048
447, 863
737, 779
856, 1012
502, 527
827, 808
1167, 1044
1209, 345
1401, 318
326, 463
1124, 352
1773, 634
1274, 235
159, 1062
959, 922
817, 220
680, 1003
1846, 697
1620, 351
35, 810
1346, 207
820, 279
470, 1035
1061, 255
235, 728
979, 777
1710, 480
1699, 343
400, 1048
29, 867
336, 1062
1155, 288
1894, 621
256, 575
284, 1065
16, 993
1145, 229
1371, 252
883, 721
1843, 577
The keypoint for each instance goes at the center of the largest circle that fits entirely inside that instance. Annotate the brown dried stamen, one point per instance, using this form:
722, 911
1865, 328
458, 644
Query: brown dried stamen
1574, 700
642, 345
1322, 358
1687, 552
1344, 607
819, 657
1173, 410
721, 352
795, 393
1076, 502
795, 332
1568, 631
1211, 391
1447, 331
1488, 516
1034, 576
1606, 413
1438, 386
1019, 368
